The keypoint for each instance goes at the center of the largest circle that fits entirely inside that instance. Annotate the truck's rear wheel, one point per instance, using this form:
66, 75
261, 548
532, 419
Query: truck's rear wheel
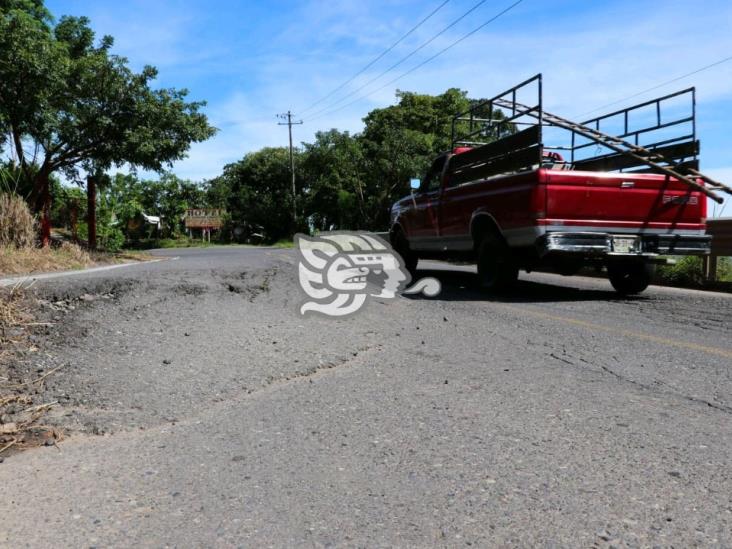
496, 269
630, 277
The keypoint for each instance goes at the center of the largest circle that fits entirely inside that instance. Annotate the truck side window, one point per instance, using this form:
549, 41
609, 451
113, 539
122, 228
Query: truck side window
434, 177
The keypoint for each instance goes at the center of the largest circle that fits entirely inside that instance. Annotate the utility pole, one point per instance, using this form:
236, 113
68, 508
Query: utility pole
288, 117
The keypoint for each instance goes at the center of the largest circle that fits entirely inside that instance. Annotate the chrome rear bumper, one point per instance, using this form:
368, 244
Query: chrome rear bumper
591, 243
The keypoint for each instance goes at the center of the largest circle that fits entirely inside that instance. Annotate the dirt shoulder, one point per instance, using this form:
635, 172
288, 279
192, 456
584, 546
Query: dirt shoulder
23, 398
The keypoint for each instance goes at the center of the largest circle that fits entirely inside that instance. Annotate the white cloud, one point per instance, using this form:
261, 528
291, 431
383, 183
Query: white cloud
585, 63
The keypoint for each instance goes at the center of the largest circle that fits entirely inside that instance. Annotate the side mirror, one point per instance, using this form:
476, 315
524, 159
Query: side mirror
415, 184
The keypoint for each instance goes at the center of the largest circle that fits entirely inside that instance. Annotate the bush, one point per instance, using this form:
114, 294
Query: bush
112, 239
688, 271
17, 224
724, 269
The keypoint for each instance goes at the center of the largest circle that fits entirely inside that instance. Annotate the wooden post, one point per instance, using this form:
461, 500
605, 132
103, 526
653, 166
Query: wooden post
74, 219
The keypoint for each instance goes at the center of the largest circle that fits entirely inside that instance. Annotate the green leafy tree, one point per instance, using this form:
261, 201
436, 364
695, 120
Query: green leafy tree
260, 196
68, 104
68, 202
169, 198
399, 142
346, 181
127, 197
332, 170
217, 192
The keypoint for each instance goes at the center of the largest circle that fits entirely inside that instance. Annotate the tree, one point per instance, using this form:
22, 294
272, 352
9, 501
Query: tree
399, 142
78, 107
259, 198
170, 197
347, 181
333, 169
126, 197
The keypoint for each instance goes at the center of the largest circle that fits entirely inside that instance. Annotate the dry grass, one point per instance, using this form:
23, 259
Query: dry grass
14, 314
40, 260
12, 309
19, 413
17, 224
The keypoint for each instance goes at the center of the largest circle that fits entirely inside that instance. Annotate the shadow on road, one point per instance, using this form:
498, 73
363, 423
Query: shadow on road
463, 286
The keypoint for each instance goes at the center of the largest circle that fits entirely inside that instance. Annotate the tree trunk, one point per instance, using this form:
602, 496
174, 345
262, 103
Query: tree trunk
44, 207
74, 220
91, 216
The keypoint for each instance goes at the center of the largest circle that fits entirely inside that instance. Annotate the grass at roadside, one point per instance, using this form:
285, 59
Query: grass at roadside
173, 243
284, 243
180, 243
66, 257
154, 243
38, 260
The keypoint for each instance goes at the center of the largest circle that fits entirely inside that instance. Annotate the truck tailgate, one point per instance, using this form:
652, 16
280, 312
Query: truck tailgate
622, 200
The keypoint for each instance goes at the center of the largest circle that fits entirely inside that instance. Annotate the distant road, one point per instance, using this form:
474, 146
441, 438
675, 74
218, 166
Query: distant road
202, 410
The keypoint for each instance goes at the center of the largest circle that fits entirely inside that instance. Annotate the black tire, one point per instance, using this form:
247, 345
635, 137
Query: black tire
630, 277
401, 246
497, 271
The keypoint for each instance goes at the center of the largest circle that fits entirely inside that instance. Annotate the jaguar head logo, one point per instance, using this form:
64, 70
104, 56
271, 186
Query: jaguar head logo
340, 271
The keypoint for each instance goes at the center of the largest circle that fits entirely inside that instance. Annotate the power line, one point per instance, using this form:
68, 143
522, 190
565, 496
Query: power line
379, 57
403, 59
666, 83
423, 63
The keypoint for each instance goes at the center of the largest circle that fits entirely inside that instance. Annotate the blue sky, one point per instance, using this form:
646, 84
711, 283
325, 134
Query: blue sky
253, 59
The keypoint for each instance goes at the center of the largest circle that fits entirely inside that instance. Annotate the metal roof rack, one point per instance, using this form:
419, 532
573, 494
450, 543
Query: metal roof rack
495, 126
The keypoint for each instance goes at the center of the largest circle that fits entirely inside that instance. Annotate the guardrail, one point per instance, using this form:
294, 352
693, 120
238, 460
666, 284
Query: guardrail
721, 231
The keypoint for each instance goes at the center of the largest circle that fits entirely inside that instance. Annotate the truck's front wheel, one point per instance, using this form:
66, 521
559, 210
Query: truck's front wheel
496, 269
630, 277
401, 246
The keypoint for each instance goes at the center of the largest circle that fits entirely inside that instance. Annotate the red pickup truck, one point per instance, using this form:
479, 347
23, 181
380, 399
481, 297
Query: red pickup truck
513, 204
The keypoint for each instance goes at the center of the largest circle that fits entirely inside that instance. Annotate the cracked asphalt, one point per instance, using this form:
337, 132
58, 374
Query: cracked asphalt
201, 410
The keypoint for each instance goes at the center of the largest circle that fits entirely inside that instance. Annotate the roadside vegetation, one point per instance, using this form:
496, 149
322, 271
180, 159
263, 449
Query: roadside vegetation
71, 110
344, 181
28, 260
688, 272
59, 123
20, 254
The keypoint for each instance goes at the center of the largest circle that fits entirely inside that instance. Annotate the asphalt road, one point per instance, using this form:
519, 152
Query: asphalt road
203, 411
